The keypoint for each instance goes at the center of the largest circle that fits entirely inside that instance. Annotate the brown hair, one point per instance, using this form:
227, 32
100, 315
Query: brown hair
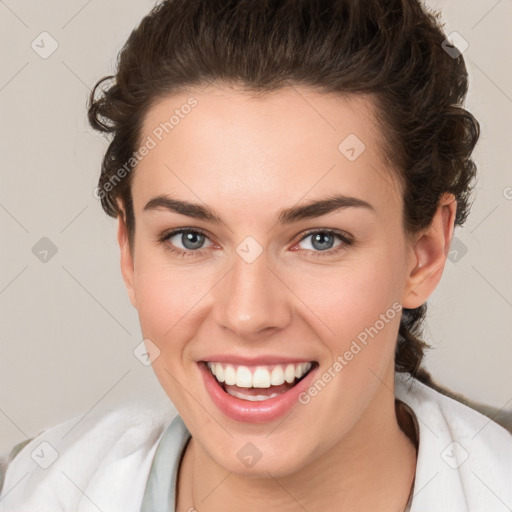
390, 49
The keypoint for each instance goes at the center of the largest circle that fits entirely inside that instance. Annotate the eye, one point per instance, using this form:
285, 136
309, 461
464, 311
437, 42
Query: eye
322, 242
191, 241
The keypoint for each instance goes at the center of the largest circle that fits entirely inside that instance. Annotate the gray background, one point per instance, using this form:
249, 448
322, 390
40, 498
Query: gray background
68, 328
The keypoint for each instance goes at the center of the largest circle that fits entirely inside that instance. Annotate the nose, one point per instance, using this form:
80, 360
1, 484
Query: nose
252, 300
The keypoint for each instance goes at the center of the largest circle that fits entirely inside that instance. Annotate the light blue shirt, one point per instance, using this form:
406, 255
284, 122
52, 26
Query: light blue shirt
160, 494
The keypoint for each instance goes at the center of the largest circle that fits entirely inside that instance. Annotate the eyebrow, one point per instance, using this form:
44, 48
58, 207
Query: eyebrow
310, 210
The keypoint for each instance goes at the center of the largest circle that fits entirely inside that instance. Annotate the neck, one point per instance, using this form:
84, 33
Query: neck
374, 470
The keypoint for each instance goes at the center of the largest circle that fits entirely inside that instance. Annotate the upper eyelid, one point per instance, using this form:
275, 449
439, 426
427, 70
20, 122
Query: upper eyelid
336, 232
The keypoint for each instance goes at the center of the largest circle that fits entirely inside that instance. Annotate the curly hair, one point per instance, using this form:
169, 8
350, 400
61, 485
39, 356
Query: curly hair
393, 50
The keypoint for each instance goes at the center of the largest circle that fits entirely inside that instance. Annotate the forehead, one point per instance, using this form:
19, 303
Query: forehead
225, 144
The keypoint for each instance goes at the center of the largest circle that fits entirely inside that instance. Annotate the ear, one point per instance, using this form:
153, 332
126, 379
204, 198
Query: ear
428, 253
127, 268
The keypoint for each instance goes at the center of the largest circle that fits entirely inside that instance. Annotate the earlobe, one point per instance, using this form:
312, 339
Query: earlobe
127, 267
428, 254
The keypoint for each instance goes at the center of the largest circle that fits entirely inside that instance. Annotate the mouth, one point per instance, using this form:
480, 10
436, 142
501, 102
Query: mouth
256, 393
258, 383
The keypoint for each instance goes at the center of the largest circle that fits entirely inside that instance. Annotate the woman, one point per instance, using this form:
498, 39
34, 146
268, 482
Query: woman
287, 177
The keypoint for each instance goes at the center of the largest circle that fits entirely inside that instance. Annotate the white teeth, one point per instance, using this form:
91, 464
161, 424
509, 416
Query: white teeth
243, 377
258, 377
229, 375
219, 372
289, 373
277, 377
256, 398
261, 378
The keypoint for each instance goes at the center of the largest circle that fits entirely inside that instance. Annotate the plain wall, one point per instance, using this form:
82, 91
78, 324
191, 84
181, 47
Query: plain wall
68, 328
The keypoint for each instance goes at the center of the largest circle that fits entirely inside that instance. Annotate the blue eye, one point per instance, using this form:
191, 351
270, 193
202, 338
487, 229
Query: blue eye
192, 241
322, 242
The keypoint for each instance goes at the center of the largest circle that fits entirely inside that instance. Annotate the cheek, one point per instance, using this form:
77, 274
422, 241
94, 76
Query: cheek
358, 300
167, 299
369, 293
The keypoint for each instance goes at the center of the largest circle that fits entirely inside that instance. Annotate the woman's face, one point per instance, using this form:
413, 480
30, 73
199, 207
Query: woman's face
266, 283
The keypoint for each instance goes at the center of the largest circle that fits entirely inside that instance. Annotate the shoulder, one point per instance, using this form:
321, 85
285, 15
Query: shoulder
448, 409
464, 457
85, 456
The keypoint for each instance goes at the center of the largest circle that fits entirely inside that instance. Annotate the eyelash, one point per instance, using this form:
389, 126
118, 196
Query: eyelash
344, 237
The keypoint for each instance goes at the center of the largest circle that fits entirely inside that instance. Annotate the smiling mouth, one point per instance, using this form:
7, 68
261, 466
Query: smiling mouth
258, 383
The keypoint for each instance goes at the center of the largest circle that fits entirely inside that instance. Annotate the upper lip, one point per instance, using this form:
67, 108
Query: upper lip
255, 360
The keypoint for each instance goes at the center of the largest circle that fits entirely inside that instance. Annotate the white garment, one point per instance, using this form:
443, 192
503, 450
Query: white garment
464, 459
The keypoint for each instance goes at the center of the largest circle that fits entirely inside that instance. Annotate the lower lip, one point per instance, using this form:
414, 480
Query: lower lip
253, 412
